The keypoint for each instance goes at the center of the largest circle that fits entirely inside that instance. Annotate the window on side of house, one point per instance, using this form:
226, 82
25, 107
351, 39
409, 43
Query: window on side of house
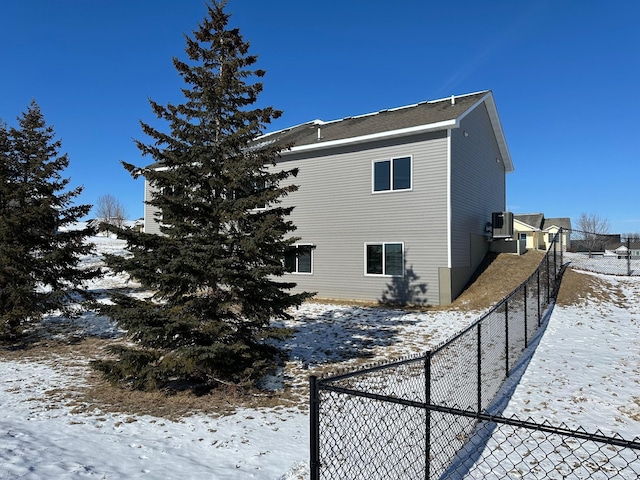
299, 259
391, 175
251, 187
260, 186
384, 259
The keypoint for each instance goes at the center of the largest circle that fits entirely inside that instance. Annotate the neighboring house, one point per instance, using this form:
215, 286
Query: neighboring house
393, 206
537, 232
137, 225
630, 250
600, 245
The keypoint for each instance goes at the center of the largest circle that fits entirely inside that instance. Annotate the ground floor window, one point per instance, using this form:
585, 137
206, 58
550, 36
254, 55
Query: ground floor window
384, 259
299, 259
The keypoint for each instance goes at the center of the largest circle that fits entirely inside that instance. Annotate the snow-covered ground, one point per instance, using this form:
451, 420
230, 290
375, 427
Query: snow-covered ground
608, 263
584, 376
586, 371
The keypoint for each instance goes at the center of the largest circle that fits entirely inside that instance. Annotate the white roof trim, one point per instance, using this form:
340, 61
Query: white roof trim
531, 227
378, 136
275, 132
487, 99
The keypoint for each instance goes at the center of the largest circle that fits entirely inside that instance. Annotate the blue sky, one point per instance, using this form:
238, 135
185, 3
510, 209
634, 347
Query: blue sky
565, 76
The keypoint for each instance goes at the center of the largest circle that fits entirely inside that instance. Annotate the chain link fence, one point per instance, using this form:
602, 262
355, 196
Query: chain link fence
437, 416
604, 253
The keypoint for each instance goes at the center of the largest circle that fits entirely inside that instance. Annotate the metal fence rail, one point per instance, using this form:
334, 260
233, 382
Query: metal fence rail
433, 416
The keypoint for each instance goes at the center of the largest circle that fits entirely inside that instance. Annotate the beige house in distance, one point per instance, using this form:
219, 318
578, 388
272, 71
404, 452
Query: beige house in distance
537, 232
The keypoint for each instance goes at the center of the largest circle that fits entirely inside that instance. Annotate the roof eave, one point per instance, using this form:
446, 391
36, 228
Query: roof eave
525, 224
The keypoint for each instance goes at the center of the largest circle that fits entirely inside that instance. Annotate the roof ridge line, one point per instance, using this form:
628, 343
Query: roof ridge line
411, 105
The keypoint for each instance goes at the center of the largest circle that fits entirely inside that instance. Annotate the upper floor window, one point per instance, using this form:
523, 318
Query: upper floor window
252, 188
299, 259
393, 174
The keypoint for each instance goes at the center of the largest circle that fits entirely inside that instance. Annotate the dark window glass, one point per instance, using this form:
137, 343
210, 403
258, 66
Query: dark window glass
393, 259
381, 176
402, 173
385, 259
374, 259
304, 259
290, 260
298, 259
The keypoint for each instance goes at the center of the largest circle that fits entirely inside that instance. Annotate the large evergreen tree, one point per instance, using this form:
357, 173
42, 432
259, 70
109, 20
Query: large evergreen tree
39, 258
215, 267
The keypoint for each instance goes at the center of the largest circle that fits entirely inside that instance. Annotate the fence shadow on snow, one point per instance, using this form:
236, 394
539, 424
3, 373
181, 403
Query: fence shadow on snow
439, 416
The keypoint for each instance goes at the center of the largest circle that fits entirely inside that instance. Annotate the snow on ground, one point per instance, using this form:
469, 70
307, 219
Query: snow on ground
584, 372
584, 375
609, 263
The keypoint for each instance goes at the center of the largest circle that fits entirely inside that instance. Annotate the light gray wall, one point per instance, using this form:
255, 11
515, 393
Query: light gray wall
338, 213
150, 223
477, 189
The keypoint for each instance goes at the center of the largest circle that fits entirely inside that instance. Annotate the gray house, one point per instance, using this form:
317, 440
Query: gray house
395, 205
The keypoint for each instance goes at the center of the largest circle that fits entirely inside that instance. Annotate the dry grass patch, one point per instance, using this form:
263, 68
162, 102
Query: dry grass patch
497, 277
577, 288
171, 405
93, 394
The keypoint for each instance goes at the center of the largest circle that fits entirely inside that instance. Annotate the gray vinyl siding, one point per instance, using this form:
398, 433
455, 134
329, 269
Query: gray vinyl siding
458, 180
150, 223
477, 183
337, 212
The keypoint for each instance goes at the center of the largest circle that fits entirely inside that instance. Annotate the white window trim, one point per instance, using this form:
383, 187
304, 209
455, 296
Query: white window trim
383, 260
391, 189
296, 272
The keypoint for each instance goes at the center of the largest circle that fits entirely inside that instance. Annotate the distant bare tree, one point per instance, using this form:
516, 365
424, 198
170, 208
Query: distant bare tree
633, 237
593, 228
110, 210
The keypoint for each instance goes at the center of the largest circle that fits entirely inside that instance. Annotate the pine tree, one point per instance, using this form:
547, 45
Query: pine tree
39, 258
214, 269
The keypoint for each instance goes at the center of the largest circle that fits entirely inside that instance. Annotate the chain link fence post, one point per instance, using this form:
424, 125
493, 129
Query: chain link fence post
314, 414
479, 353
548, 282
427, 401
563, 245
506, 338
629, 256
538, 296
526, 315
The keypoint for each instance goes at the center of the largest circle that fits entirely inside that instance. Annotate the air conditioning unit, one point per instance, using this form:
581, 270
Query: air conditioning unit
502, 225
